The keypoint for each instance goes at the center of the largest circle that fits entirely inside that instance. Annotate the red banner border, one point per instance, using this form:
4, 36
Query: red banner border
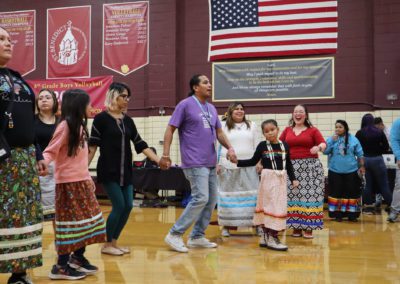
34, 35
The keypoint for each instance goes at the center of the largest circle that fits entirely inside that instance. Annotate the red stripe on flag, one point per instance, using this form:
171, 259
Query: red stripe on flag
275, 33
268, 54
297, 22
274, 43
298, 11
290, 2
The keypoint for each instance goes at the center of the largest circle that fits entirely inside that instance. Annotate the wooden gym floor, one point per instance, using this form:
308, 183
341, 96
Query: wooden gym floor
363, 252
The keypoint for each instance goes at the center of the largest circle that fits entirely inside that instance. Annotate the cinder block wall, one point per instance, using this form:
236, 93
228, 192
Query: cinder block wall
152, 128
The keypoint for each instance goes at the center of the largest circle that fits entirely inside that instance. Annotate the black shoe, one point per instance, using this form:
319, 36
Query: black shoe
338, 219
81, 264
19, 280
65, 272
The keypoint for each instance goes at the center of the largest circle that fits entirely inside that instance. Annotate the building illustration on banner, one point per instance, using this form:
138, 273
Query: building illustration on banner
68, 54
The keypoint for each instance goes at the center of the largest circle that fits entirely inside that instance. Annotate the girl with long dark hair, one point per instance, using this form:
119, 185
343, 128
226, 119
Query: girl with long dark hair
374, 144
345, 163
79, 220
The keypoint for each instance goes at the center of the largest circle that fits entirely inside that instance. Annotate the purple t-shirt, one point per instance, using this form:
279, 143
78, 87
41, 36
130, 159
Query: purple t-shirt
196, 137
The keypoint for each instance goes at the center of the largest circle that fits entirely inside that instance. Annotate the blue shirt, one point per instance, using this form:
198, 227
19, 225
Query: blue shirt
337, 161
395, 138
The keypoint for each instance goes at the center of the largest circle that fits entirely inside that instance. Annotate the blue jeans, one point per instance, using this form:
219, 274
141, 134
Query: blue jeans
203, 183
396, 193
376, 173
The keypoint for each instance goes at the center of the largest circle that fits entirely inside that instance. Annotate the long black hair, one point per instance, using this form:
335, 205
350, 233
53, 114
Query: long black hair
194, 81
73, 111
346, 137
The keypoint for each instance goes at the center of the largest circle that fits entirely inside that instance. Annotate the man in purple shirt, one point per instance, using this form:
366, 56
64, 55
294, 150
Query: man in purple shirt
199, 128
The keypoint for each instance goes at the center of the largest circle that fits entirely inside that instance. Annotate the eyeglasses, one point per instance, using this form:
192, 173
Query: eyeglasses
125, 97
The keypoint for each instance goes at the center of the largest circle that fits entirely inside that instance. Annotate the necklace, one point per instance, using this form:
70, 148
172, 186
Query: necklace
239, 126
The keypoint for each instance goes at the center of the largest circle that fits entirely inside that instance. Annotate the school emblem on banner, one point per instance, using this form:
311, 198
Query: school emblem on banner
68, 42
126, 36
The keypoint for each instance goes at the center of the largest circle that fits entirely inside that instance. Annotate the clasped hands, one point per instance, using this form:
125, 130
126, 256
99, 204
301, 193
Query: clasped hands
165, 162
231, 156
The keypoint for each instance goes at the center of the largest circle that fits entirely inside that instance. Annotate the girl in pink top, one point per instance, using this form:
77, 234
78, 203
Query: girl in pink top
79, 221
305, 212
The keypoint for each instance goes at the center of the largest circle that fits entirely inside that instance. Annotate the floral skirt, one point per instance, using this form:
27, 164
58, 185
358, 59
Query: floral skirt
79, 220
271, 207
20, 212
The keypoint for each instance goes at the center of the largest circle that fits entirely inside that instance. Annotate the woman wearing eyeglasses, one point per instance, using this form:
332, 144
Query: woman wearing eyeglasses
112, 131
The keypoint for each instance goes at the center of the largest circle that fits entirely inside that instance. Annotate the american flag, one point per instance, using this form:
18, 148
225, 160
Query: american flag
263, 28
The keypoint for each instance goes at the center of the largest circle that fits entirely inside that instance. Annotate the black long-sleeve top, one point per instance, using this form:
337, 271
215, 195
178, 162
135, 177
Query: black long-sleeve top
43, 132
373, 142
113, 137
22, 134
263, 153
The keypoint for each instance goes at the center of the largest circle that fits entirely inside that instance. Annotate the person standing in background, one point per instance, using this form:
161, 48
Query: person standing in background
374, 144
345, 163
45, 125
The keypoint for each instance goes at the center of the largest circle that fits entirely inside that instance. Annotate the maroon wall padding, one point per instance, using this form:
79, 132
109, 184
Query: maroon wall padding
367, 63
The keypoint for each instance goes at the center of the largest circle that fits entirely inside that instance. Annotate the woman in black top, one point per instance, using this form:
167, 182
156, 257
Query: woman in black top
45, 125
112, 132
374, 144
21, 210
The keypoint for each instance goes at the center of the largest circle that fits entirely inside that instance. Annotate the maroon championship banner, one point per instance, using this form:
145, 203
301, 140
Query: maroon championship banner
96, 87
21, 27
68, 42
126, 36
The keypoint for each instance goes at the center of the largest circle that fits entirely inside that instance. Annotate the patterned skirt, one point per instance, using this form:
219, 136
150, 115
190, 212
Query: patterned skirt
344, 198
20, 213
271, 207
305, 203
237, 196
79, 220
48, 188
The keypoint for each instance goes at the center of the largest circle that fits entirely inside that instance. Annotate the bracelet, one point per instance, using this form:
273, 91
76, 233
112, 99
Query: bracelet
165, 156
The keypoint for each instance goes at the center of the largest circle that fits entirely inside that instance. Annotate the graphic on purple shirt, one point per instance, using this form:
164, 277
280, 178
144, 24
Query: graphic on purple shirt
196, 137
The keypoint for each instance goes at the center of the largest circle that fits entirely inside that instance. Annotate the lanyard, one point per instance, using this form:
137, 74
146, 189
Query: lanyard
272, 155
205, 114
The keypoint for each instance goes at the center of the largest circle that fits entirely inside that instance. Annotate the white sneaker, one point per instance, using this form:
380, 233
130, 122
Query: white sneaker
275, 244
176, 242
225, 232
263, 241
201, 243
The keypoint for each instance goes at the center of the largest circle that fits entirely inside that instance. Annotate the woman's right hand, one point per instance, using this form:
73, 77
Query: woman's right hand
219, 169
165, 163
